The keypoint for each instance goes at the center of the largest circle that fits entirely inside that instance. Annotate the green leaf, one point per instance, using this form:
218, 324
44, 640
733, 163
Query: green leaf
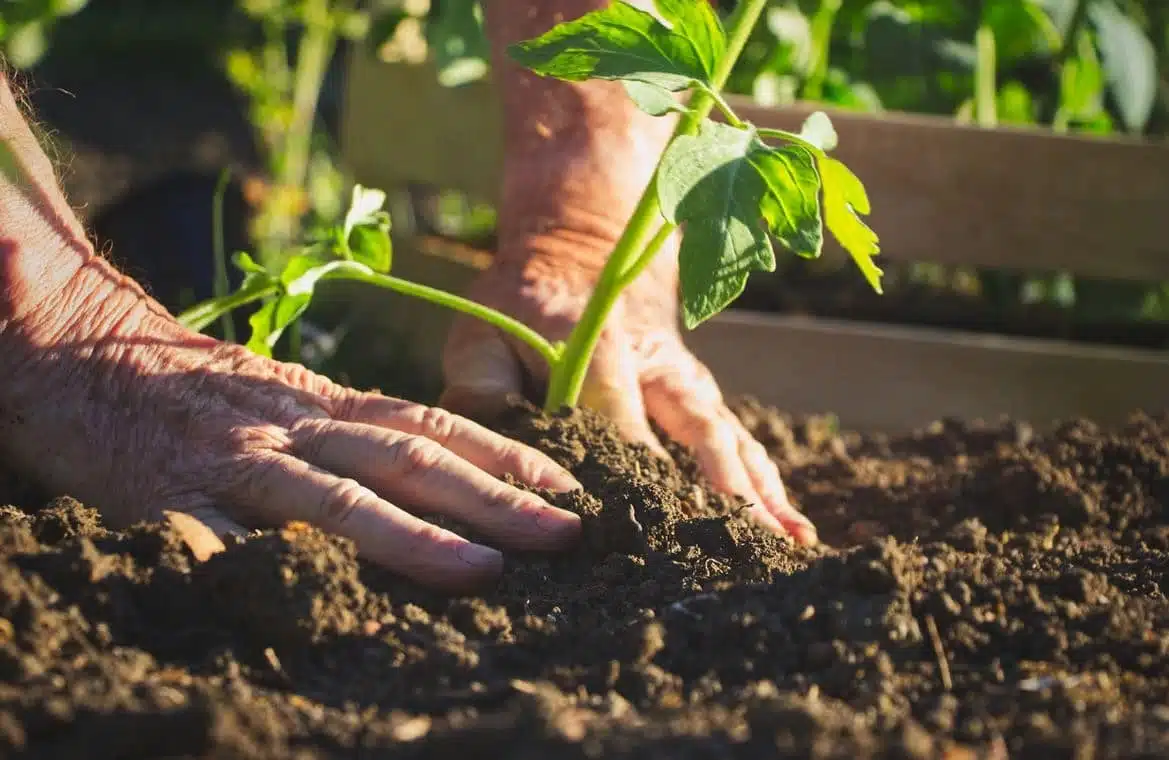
371, 246
200, 315
365, 207
627, 43
791, 206
1130, 62
271, 319
1082, 81
819, 131
246, 264
654, 100
844, 200
697, 21
724, 183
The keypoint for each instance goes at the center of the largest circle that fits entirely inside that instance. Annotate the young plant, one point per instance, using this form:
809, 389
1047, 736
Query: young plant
731, 185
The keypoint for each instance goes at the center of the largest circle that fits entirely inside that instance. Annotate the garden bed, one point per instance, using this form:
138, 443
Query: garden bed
993, 592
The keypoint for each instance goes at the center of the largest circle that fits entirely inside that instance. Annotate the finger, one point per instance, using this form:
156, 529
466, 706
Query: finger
689, 406
483, 448
769, 485
417, 471
480, 371
282, 489
613, 388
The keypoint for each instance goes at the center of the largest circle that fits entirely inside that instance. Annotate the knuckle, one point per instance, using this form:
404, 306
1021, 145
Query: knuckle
415, 457
341, 500
309, 437
437, 424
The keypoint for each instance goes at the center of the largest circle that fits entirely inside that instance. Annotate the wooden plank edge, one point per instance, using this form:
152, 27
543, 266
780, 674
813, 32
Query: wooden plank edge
1010, 198
897, 378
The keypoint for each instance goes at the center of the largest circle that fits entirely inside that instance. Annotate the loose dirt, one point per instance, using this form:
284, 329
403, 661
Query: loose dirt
989, 593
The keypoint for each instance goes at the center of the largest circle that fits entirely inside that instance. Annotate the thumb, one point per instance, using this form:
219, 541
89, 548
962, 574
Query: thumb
481, 372
613, 388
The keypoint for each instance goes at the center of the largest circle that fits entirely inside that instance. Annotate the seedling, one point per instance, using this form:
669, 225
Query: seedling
731, 185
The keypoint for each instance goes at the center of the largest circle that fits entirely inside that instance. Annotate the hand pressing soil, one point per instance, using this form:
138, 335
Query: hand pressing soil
984, 592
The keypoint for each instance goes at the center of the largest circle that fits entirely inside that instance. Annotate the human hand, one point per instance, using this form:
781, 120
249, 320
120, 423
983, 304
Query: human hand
135, 415
641, 370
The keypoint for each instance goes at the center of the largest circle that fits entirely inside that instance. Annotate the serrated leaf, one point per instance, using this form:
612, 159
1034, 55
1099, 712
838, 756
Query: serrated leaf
818, 130
728, 188
791, 207
1130, 62
845, 200
654, 100
622, 42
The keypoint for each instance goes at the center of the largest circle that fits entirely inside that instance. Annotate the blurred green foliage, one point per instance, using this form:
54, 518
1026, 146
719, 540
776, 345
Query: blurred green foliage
25, 26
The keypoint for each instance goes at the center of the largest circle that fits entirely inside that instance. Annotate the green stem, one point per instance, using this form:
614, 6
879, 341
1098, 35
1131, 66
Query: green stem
651, 249
821, 33
568, 375
222, 285
312, 60
722, 105
985, 76
551, 353
203, 314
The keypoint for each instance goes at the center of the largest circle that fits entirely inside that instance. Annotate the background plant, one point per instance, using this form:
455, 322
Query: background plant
732, 185
26, 26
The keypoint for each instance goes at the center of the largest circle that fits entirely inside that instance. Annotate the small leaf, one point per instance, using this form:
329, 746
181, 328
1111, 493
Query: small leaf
365, 207
246, 264
723, 184
371, 246
271, 319
1130, 62
623, 42
654, 100
844, 200
819, 131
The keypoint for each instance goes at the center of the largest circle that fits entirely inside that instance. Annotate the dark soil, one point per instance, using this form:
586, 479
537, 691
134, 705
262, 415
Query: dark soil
994, 593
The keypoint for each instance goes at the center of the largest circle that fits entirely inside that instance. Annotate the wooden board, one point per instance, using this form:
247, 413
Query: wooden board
878, 377
941, 192
873, 377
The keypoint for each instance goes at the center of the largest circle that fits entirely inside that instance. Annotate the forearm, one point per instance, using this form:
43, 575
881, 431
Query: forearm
55, 291
577, 156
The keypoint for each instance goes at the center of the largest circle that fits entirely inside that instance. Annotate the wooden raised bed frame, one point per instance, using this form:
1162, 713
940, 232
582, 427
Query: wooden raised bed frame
1008, 198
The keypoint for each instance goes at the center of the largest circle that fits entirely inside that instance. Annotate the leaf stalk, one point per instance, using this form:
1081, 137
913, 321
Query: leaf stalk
633, 252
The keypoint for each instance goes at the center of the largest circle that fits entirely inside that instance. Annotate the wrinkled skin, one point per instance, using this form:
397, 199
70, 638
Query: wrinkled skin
103, 395
578, 157
641, 371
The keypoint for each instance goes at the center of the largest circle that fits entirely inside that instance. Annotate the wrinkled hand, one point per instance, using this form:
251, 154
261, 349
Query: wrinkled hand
162, 420
641, 371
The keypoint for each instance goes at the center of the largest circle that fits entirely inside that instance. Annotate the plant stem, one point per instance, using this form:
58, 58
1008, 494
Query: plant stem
222, 285
651, 249
550, 352
985, 79
821, 34
201, 315
313, 54
568, 375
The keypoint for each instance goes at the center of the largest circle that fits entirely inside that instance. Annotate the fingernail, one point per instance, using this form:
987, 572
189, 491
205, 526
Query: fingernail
557, 521
564, 481
806, 534
477, 555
